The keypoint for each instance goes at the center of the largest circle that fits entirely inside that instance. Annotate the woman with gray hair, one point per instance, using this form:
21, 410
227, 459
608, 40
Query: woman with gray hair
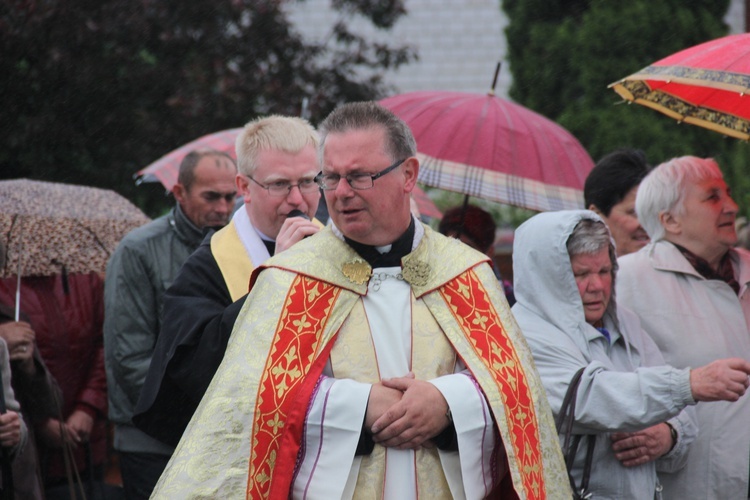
689, 287
628, 398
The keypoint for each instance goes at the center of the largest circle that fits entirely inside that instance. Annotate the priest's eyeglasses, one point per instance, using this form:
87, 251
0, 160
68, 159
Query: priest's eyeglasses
356, 180
283, 188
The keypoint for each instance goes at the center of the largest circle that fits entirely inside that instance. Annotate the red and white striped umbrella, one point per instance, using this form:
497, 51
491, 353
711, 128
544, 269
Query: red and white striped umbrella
425, 204
484, 146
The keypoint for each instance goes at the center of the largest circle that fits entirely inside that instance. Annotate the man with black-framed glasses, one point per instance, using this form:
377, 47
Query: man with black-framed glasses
377, 359
277, 164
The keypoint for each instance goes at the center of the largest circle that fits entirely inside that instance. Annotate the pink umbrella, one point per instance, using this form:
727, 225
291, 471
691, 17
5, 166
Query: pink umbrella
488, 147
165, 168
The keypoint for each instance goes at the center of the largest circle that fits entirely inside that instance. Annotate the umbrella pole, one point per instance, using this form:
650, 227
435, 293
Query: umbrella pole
18, 292
463, 216
18, 278
494, 78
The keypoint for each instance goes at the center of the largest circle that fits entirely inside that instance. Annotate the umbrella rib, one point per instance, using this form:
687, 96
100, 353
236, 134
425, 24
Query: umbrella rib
95, 237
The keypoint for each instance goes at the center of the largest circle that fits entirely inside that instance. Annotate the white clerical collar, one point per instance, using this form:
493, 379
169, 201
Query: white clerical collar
251, 238
263, 236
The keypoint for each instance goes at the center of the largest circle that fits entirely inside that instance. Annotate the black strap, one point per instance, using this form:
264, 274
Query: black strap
564, 424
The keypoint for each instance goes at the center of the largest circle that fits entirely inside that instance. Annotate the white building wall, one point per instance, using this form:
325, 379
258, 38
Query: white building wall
459, 42
735, 17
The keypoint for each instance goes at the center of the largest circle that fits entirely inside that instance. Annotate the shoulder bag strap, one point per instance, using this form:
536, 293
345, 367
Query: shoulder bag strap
564, 424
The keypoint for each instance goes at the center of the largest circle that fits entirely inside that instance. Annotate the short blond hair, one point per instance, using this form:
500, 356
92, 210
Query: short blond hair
283, 133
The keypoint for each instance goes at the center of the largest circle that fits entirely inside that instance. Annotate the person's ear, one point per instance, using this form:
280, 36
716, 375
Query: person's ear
670, 223
179, 192
243, 187
596, 210
411, 172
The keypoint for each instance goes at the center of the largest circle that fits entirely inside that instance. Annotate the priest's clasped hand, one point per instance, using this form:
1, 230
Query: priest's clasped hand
411, 422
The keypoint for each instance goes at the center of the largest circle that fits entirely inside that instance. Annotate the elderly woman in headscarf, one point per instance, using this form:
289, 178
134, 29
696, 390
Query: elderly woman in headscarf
634, 404
689, 287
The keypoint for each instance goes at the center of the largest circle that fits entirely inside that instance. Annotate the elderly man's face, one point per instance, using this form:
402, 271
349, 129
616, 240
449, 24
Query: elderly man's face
706, 224
376, 216
593, 274
210, 199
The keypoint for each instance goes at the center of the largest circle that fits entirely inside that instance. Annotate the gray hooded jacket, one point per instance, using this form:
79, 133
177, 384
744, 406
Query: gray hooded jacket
625, 386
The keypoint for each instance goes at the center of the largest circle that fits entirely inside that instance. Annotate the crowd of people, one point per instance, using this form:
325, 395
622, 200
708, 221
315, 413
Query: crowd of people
257, 352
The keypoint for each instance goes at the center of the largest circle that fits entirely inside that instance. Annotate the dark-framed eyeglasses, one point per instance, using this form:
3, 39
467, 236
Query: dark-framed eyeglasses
357, 181
283, 188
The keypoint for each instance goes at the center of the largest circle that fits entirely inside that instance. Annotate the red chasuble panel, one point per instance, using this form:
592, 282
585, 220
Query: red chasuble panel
285, 382
481, 324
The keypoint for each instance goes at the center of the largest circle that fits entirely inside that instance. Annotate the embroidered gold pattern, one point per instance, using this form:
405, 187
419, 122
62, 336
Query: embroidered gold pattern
358, 271
416, 272
296, 341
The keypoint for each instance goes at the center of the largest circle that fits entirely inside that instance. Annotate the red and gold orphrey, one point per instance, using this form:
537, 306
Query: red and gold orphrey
482, 326
297, 339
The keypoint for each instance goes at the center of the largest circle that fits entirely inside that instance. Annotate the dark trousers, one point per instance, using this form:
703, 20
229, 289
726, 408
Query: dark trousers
140, 473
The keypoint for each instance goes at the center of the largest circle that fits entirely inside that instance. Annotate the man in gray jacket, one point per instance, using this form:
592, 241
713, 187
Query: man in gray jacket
140, 270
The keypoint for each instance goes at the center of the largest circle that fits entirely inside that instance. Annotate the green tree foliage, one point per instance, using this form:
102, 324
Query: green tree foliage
564, 53
94, 90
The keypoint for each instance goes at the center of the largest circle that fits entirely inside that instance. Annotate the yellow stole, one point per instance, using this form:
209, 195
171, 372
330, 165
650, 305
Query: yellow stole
232, 258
